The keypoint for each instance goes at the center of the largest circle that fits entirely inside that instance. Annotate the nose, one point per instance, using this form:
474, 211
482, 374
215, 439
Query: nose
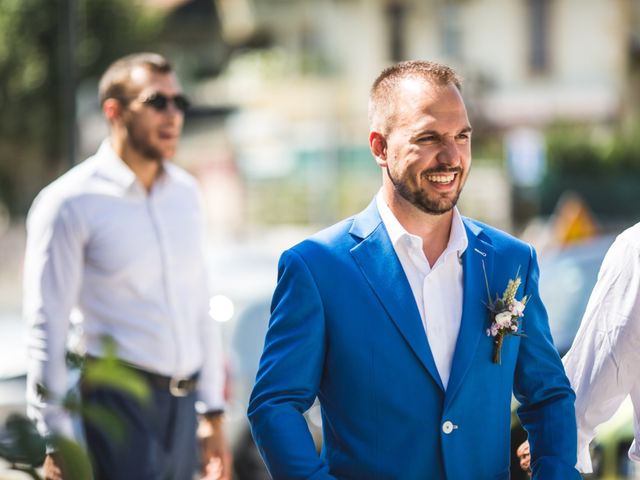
172, 108
448, 154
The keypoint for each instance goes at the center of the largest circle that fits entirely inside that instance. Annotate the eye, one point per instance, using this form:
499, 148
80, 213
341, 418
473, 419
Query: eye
428, 138
465, 136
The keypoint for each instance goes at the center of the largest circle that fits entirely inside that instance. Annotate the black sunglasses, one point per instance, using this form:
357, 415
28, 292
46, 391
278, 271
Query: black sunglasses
160, 102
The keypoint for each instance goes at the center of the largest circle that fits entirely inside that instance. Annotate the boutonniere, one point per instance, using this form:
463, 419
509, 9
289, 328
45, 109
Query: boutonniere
505, 314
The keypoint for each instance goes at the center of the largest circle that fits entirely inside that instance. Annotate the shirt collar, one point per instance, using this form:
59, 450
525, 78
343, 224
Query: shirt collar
457, 237
114, 168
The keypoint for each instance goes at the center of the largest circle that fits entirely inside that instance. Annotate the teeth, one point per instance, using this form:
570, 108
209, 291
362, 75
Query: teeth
441, 178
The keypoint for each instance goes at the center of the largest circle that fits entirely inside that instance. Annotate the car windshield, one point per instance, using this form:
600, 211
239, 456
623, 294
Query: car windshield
567, 277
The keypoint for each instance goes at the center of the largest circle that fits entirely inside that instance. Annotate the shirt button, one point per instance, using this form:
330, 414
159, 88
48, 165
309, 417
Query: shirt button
447, 427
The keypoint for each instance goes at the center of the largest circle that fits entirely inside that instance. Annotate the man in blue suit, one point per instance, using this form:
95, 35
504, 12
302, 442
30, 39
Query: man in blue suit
384, 318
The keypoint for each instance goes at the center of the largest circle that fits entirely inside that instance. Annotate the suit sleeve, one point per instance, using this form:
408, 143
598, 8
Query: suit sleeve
289, 375
543, 390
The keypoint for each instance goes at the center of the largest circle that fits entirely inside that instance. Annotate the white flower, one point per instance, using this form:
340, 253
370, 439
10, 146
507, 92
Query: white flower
517, 308
503, 319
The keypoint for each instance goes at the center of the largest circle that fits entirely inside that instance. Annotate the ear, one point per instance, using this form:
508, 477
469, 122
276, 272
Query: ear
378, 146
112, 109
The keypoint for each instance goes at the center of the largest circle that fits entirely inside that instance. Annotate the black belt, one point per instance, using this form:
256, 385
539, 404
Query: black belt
176, 386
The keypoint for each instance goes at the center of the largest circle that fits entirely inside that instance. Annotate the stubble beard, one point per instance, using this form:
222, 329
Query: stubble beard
420, 199
138, 140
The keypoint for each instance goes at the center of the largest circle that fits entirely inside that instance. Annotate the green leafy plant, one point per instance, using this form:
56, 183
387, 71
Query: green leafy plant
24, 448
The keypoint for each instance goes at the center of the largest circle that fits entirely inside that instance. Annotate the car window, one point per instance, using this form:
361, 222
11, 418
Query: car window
566, 280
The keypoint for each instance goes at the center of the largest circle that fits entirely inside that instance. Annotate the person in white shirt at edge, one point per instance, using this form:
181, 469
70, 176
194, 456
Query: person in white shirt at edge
603, 359
119, 238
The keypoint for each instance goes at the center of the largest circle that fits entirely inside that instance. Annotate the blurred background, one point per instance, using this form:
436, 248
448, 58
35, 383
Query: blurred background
278, 134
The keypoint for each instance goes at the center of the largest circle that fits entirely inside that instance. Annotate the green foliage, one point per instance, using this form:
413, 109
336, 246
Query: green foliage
105, 420
112, 28
24, 448
587, 150
27, 66
74, 458
601, 165
21, 445
109, 372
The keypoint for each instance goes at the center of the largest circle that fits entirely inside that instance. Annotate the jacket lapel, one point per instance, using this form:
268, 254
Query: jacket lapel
379, 263
477, 259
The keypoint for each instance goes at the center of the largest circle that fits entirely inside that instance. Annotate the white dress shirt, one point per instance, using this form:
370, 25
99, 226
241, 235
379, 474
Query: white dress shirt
129, 264
437, 289
603, 362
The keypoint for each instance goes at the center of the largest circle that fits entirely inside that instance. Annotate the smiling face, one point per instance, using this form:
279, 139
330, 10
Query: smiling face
426, 148
152, 134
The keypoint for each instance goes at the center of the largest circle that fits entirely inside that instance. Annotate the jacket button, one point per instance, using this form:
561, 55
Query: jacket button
448, 427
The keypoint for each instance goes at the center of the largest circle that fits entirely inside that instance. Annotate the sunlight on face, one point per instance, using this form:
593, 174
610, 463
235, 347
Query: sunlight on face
428, 146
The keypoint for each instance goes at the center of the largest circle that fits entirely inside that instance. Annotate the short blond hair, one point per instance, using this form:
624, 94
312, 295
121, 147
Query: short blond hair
116, 80
384, 88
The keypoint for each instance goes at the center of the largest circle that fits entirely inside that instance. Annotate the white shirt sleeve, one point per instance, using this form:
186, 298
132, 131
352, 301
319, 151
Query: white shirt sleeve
52, 275
602, 363
212, 375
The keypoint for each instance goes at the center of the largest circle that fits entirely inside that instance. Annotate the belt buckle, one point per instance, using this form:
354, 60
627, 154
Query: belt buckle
178, 387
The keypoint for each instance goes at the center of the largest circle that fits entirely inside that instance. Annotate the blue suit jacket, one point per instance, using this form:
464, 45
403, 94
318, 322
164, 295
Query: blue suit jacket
345, 328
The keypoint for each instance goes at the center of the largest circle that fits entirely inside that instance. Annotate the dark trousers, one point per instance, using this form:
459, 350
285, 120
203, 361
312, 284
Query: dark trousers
157, 439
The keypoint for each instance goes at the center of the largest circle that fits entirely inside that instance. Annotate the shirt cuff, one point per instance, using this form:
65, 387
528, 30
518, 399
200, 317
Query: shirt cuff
210, 396
584, 459
203, 407
634, 452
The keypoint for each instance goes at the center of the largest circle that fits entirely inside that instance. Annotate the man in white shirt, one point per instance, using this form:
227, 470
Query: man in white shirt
119, 239
603, 361
383, 317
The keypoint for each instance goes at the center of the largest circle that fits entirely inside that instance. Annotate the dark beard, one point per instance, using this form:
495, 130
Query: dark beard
139, 143
419, 198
